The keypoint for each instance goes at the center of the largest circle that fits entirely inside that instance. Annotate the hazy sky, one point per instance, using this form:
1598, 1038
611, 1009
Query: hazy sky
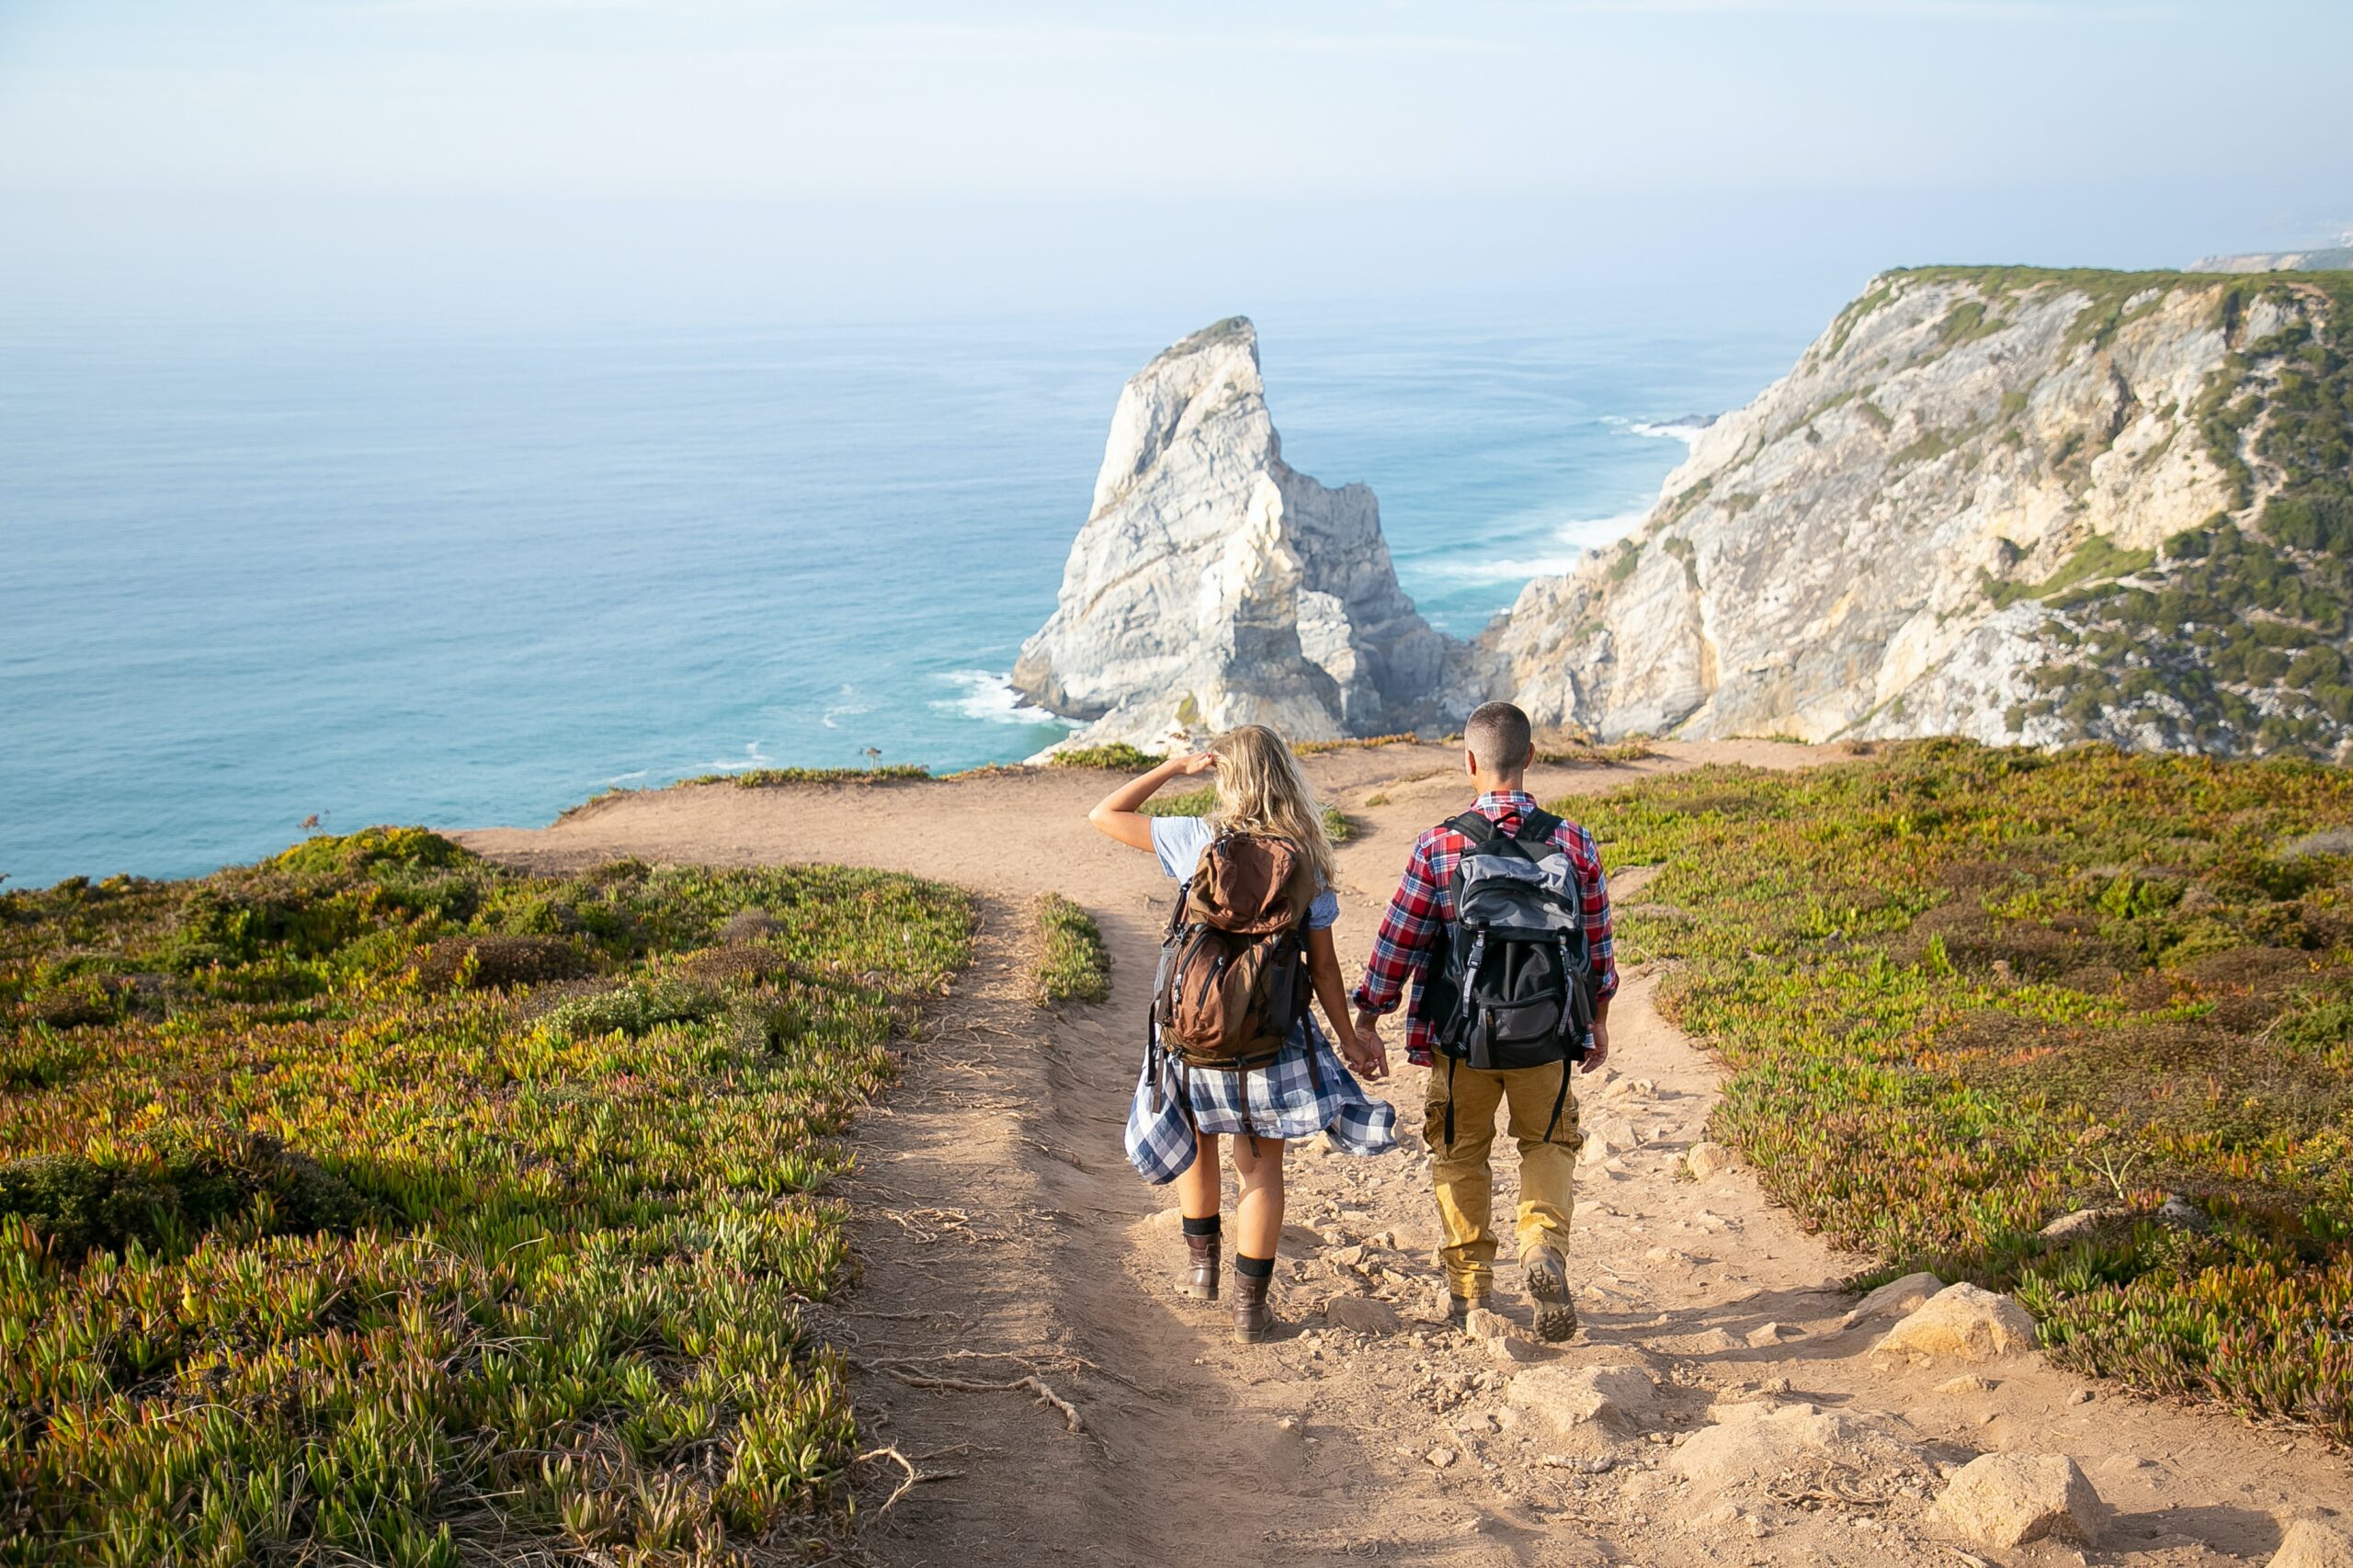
838, 158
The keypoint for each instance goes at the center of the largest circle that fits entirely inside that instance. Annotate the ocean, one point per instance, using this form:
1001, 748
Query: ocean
253, 575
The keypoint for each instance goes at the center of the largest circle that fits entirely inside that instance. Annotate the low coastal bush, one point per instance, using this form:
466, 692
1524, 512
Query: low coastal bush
1581, 753
377, 1204
1964, 991
1116, 757
1361, 742
1073, 963
765, 778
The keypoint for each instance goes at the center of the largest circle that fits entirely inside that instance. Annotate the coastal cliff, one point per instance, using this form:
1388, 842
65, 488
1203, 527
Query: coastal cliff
2016, 504
1213, 585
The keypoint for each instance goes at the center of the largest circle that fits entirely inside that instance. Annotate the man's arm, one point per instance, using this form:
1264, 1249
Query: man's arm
1594, 891
1407, 928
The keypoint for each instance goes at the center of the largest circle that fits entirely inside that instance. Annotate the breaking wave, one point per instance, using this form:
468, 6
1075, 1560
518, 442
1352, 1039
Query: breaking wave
987, 696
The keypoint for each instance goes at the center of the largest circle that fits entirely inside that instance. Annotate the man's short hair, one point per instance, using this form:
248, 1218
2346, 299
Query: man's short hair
1499, 735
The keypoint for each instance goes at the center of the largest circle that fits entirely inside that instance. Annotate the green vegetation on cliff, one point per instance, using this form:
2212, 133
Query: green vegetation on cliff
2238, 640
1964, 991
376, 1204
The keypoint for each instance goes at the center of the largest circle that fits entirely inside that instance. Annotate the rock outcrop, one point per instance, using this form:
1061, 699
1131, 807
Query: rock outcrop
1213, 585
2000, 502
2321, 258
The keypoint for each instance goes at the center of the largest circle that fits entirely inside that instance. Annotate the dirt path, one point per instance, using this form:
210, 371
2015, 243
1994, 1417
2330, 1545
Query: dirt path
1001, 1237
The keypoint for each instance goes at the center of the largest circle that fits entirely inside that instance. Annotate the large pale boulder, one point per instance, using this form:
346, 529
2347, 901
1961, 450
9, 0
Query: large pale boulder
2312, 1543
1213, 585
1961, 1319
2011, 1499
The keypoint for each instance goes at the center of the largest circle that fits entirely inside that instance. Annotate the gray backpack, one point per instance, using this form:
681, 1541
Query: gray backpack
1513, 985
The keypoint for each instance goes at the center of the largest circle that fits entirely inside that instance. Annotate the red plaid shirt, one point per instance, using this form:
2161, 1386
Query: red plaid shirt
1424, 907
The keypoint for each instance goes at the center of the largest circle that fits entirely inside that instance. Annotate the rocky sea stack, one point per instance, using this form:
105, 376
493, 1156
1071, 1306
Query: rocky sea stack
1213, 585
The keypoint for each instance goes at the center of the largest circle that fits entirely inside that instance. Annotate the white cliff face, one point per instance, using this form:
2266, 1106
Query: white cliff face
1880, 544
1214, 585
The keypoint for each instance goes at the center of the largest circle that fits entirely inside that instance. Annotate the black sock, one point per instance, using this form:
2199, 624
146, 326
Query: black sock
1254, 1267
1202, 1227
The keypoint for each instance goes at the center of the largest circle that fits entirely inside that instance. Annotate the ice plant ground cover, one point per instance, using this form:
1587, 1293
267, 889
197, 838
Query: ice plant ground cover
1964, 991
377, 1203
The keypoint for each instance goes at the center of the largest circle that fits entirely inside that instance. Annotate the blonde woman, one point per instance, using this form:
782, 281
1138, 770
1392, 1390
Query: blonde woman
1180, 1114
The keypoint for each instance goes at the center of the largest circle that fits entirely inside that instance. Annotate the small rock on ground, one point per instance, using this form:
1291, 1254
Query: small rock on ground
1478, 1323
1750, 1443
1706, 1158
1362, 1313
1894, 1298
2081, 1222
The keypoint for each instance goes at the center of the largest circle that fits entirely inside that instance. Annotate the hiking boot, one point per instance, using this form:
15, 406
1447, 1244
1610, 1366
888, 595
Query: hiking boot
1199, 1278
1253, 1321
1460, 1308
1548, 1287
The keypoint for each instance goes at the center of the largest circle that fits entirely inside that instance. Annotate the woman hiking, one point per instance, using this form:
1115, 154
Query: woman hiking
1233, 1052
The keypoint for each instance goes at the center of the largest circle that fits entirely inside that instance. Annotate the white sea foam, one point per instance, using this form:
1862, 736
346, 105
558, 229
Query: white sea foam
618, 779
753, 757
987, 696
848, 707
1573, 539
1686, 430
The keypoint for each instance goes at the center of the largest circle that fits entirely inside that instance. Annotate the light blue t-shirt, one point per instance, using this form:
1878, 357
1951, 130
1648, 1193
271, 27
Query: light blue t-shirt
1178, 841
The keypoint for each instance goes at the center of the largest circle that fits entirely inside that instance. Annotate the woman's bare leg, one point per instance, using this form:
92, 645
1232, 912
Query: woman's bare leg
1198, 1189
1258, 1216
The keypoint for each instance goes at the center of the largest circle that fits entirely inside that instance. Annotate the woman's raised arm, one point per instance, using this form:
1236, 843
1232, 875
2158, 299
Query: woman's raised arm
1116, 815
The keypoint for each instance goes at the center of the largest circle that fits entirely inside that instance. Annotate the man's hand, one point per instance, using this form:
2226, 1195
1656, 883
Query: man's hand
1598, 1052
1366, 1056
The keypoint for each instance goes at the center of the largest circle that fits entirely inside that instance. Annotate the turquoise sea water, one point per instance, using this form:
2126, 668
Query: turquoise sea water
464, 578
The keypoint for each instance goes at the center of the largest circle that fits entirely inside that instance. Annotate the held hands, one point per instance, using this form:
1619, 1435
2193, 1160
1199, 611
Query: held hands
1366, 1053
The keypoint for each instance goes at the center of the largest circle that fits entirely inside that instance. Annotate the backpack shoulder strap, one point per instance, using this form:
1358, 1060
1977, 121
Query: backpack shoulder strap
1537, 827
1472, 826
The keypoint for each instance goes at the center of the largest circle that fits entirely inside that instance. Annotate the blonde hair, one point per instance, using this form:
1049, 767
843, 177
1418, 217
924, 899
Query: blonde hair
1260, 790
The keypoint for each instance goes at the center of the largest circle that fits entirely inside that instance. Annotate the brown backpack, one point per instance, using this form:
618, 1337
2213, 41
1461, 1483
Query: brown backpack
1233, 981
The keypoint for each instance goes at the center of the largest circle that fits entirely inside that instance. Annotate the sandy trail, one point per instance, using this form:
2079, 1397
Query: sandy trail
1000, 1234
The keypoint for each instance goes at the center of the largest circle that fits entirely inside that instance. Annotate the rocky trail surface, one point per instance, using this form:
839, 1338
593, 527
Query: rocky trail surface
1020, 1348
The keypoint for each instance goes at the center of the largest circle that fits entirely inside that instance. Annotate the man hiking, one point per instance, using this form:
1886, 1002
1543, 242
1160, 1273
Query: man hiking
1510, 990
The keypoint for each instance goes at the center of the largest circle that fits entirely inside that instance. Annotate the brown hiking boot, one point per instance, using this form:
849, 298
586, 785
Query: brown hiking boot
1199, 1278
1253, 1320
1548, 1287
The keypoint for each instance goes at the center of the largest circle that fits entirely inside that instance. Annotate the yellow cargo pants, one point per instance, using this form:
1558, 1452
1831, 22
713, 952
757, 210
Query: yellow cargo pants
1466, 1184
